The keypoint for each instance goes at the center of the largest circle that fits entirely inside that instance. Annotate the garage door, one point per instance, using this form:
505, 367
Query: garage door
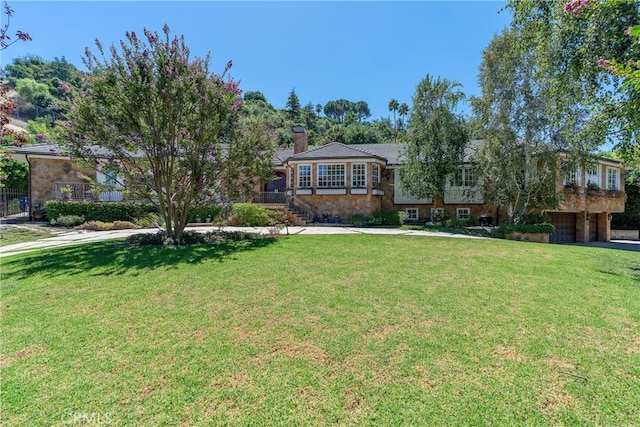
565, 224
593, 228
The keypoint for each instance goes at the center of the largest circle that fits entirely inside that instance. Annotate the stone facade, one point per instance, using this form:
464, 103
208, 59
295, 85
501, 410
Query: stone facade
45, 172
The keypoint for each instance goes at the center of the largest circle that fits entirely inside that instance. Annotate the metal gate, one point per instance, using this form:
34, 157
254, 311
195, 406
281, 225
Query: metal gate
13, 203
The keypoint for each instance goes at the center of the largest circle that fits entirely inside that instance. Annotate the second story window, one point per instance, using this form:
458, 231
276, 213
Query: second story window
613, 179
465, 177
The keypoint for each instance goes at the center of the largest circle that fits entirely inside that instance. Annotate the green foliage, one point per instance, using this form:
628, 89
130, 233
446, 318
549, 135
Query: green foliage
357, 220
107, 226
531, 219
107, 212
67, 220
149, 96
203, 212
277, 217
630, 218
455, 223
193, 238
505, 229
14, 174
250, 215
149, 220
387, 218
437, 138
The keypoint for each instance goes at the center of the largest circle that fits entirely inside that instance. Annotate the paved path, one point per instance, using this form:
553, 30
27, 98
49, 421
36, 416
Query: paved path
74, 237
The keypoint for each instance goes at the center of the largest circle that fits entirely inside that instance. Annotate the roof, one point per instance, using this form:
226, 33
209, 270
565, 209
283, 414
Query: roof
337, 150
44, 149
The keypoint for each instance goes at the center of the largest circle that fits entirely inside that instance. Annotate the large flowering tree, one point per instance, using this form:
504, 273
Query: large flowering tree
169, 128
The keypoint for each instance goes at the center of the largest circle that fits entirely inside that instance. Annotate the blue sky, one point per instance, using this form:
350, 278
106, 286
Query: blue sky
371, 51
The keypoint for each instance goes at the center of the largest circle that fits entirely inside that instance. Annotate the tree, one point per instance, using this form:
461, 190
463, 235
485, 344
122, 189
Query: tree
318, 109
4, 37
437, 138
7, 103
581, 44
293, 106
403, 110
393, 106
517, 160
254, 95
169, 127
361, 109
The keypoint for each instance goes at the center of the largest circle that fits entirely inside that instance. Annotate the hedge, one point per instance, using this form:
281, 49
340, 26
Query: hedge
106, 212
505, 229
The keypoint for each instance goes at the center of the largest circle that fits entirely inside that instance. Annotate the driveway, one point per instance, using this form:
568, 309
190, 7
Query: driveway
74, 237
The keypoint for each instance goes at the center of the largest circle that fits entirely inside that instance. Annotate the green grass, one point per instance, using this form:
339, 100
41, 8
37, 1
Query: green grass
10, 234
322, 330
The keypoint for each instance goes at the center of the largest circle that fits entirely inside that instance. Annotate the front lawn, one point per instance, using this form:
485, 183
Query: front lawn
322, 330
12, 234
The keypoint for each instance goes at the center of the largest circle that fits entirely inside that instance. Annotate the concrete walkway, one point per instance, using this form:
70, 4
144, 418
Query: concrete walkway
74, 237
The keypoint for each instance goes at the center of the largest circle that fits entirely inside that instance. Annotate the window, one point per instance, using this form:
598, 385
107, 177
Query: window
375, 176
331, 176
593, 175
613, 179
412, 214
465, 177
359, 175
304, 176
463, 213
572, 177
290, 179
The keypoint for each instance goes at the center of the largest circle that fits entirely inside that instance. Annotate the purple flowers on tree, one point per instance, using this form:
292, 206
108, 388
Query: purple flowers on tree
159, 115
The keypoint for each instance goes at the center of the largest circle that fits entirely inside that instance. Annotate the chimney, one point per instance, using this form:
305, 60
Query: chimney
300, 140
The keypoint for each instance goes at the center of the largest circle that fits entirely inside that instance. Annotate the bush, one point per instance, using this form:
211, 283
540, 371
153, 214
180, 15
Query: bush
107, 226
357, 220
388, 218
277, 217
192, 238
203, 212
106, 212
505, 229
250, 215
532, 219
147, 221
68, 220
455, 223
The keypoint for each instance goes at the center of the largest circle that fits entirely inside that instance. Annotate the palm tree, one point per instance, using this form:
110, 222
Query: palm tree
393, 106
403, 109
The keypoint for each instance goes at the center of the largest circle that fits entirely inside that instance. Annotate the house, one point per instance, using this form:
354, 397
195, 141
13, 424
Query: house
335, 181
338, 180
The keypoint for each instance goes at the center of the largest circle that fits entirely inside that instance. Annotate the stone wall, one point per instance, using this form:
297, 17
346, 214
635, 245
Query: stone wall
45, 172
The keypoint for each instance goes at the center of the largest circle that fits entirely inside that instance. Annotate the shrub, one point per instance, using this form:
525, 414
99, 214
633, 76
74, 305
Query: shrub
203, 212
505, 229
250, 215
455, 223
531, 219
388, 218
357, 220
67, 220
277, 217
147, 221
107, 226
192, 238
106, 212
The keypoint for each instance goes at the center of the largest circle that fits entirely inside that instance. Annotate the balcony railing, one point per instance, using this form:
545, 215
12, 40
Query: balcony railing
270, 198
84, 192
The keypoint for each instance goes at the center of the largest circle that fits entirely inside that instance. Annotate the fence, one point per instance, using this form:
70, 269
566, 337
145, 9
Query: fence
13, 203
